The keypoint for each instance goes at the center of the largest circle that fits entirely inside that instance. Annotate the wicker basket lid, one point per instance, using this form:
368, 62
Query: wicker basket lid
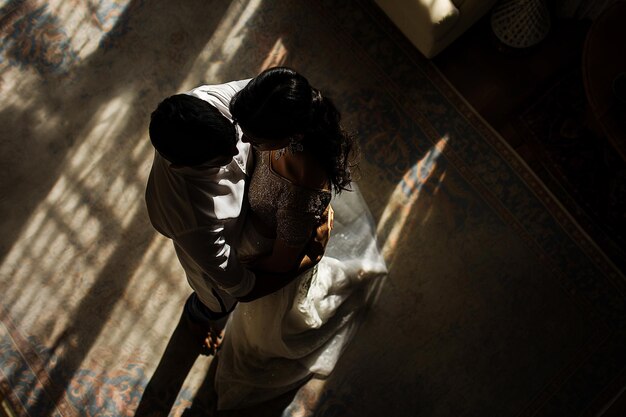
521, 23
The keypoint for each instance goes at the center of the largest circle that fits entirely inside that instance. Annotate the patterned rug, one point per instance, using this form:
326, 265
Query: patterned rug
580, 166
497, 303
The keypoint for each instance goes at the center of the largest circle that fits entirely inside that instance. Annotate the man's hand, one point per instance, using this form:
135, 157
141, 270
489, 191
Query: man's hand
208, 337
215, 336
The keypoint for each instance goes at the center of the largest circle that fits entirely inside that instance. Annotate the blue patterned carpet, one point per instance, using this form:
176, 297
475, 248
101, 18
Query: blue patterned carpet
497, 304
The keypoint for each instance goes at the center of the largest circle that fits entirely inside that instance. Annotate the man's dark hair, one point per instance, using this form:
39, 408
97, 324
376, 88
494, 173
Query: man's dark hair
189, 131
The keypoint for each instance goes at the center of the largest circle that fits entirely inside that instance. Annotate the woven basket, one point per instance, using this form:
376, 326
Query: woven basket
521, 23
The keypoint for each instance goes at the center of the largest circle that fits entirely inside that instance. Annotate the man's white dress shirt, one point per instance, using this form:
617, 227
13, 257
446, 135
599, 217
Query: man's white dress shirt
202, 210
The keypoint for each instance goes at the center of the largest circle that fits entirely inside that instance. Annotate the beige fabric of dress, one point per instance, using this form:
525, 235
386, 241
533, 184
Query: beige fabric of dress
276, 343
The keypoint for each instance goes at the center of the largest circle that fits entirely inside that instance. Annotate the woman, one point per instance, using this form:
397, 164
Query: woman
302, 157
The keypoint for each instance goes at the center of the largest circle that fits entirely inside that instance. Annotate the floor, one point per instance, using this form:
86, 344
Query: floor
502, 83
495, 304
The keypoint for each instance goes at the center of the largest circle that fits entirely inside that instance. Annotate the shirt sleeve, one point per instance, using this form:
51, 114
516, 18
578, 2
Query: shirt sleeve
219, 94
218, 263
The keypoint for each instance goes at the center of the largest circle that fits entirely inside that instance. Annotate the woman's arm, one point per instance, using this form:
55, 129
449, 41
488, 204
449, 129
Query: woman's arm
269, 282
286, 257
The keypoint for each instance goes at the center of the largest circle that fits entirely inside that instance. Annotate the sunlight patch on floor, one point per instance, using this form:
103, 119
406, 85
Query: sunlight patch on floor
71, 235
401, 203
153, 300
86, 22
224, 44
277, 56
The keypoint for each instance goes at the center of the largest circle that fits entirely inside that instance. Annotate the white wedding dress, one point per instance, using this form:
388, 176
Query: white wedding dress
276, 343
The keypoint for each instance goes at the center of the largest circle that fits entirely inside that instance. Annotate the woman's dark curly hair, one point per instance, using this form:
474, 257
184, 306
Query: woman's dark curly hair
280, 103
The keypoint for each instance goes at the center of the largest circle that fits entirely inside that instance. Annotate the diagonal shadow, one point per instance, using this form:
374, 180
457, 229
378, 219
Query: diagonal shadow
111, 282
167, 380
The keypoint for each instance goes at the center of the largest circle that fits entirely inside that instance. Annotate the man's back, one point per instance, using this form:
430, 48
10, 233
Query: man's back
201, 209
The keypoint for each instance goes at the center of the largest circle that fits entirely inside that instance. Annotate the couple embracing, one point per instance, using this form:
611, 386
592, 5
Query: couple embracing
242, 182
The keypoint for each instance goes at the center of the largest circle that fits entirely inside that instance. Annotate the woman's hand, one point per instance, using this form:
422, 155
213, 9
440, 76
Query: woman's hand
317, 245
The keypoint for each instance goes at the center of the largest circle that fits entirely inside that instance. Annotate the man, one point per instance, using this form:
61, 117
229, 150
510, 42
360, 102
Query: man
195, 196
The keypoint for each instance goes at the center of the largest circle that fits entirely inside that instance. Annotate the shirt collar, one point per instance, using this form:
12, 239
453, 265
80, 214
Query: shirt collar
241, 160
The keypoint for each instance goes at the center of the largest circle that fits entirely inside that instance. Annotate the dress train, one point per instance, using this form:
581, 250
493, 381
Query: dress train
277, 342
